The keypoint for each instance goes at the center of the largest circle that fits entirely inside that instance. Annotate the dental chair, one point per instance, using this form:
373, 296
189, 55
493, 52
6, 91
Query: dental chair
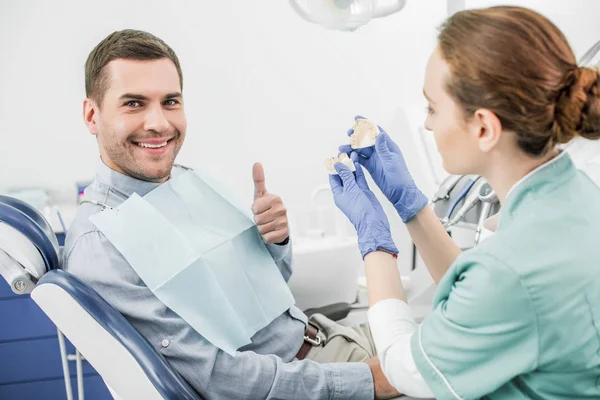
29, 262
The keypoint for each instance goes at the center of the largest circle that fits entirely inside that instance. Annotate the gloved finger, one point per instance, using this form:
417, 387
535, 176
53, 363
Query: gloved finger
360, 178
350, 132
356, 118
346, 148
336, 184
381, 145
392, 146
362, 153
365, 152
345, 174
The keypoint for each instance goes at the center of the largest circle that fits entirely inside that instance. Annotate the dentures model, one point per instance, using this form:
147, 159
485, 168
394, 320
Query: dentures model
342, 158
364, 134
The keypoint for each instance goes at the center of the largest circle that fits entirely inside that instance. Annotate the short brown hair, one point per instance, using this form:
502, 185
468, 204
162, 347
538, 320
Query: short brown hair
128, 44
516, 63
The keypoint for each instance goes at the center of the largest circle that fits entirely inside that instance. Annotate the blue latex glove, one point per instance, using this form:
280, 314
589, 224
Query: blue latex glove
387, 167
359, 204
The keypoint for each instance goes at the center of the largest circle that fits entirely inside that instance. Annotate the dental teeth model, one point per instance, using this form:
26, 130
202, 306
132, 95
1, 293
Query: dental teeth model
364, 134
343, 158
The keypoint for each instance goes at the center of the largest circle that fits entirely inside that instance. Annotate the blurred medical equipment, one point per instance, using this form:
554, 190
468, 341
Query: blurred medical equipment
37, 197
45, 203
488, 197
591, 57
473, 193
81, 185
466, 207
322, 264
459, 197
471, 199
443, 192
130, 366
344, 15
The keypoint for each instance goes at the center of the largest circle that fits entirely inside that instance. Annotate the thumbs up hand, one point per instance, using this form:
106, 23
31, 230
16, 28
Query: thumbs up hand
270, 214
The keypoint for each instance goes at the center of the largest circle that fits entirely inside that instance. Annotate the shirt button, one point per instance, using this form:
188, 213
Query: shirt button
165, 343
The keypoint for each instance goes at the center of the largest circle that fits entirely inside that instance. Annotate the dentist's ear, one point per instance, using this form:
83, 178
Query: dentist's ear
89, 116
487, 128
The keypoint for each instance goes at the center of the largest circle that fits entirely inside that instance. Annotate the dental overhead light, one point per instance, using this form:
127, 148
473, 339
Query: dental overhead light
344, 15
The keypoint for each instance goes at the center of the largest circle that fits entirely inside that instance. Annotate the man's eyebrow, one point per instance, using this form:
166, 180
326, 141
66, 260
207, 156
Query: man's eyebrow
132, 96
173, 95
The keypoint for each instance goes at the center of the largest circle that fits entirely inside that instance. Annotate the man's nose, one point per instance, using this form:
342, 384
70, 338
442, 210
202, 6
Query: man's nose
156, 120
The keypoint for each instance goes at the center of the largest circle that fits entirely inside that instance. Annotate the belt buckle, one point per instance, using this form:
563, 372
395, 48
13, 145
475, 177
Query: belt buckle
314, 342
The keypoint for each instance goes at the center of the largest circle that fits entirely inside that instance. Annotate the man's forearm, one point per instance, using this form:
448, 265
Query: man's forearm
435, 246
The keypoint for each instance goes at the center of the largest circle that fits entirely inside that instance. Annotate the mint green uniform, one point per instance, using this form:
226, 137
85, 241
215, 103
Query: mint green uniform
518, 317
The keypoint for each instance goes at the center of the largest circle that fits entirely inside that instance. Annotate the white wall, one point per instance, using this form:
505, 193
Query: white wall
260, 84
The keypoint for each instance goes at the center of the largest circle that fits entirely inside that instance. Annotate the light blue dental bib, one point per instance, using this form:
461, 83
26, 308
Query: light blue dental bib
202, 256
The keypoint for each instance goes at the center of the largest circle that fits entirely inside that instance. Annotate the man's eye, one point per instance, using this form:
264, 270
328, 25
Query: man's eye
429, 110
171, 102
133, 103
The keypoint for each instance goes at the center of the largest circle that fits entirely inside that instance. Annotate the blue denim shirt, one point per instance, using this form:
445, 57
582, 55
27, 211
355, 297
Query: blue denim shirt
264, 369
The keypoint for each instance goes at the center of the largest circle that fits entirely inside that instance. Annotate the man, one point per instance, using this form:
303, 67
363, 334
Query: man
134, 107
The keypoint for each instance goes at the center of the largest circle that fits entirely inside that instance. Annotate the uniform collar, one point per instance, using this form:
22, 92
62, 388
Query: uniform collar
552, 173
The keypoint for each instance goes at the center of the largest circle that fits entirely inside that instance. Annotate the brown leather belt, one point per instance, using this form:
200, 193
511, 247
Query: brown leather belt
311, 338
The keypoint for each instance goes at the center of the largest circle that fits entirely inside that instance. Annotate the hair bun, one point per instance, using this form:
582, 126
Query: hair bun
577, 110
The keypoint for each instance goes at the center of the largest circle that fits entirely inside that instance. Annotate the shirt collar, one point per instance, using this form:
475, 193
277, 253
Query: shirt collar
123, 184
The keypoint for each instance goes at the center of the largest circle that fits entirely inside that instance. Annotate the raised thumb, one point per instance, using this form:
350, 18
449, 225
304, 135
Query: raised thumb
258, 175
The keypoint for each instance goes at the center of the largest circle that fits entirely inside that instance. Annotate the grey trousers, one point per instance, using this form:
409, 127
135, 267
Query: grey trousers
343, 344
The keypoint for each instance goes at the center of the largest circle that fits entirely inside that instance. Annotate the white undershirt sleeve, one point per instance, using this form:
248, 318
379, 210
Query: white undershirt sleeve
392, 327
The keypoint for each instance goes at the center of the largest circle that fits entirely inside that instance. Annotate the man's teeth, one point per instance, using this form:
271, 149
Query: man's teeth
152, 146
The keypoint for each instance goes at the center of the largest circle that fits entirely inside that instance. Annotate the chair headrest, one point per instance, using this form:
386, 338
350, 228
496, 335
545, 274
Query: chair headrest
30, 222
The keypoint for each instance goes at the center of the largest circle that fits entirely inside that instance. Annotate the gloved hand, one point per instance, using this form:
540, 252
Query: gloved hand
355, 199
388, 169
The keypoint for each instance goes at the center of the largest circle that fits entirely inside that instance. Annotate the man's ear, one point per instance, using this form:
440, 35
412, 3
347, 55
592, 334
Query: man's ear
90, 115
488, 129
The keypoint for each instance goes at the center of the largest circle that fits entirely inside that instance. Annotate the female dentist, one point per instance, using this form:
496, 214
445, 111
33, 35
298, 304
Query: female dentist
519, 315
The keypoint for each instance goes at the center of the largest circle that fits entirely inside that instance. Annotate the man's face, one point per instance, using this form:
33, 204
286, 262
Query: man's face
140, 124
